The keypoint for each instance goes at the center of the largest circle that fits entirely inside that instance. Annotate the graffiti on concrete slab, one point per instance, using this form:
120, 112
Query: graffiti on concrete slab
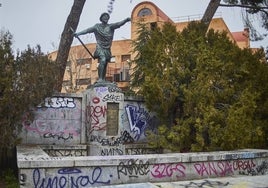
205, 183
113, 141
111, 151
66, 152
168, 170
70, 177
261, 169
59, 136
142, 151
220, 168
124, 170
133, 168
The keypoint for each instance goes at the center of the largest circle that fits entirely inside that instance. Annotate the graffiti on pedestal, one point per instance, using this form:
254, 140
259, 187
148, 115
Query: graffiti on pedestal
139, 120
58, 119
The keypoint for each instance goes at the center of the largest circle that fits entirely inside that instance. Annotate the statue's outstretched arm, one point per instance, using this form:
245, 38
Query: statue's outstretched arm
88, 30
119, 24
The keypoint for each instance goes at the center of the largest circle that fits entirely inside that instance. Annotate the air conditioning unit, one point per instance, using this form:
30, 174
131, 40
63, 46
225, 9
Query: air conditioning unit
87, 66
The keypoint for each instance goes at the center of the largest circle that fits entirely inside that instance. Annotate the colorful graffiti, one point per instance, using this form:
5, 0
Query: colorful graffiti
141, 169
138, 119
97, 107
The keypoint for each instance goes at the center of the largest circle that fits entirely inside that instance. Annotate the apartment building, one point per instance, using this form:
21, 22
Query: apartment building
81, 70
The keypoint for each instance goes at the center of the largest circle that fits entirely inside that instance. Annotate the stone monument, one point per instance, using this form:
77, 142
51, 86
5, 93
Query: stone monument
104, 99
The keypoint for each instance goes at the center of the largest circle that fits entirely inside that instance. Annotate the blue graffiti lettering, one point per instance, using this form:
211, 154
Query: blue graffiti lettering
65, 175
138, 119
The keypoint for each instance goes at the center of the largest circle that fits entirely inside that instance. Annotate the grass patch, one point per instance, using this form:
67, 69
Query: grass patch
9, 180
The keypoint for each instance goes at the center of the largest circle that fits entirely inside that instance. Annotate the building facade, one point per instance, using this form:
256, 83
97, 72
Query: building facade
81, 70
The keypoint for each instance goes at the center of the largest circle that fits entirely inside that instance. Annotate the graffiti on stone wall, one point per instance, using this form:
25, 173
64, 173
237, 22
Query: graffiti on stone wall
97, 113
221, 168
133, 168
113, 141
139, 120
111, 151
58, 136
70, 177
141, 151
97, 107
58, 119
127, 169
259, 170
59, 102
168, 170
66, 152
112, 98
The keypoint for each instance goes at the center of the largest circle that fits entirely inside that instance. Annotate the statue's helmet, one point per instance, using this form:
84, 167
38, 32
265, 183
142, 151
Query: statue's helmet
103, 14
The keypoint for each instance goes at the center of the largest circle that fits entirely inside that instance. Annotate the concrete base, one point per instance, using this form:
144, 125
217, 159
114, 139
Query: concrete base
38, 169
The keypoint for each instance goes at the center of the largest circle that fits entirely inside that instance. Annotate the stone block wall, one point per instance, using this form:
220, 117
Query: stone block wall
82, 119
38, 169
60, 120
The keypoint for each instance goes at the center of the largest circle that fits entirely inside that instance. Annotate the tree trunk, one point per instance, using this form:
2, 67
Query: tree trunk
210, 11
67, 38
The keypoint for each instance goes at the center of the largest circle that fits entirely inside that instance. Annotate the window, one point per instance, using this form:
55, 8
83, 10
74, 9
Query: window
117, 77
144, 12
124, 75
153, 25
125, 58
112, 59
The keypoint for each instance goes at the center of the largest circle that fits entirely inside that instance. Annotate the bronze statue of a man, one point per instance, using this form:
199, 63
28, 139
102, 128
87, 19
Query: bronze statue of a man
104, 33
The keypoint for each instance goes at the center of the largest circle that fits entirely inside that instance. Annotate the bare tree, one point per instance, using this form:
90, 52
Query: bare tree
250, 7
67, 38
210, 11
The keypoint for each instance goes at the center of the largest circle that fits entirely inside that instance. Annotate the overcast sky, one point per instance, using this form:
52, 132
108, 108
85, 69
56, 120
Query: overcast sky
33, 22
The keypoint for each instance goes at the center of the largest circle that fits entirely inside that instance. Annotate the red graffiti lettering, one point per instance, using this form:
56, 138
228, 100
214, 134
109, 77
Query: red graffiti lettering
225, 168
220, 168
168, 170
97, 112
243, 165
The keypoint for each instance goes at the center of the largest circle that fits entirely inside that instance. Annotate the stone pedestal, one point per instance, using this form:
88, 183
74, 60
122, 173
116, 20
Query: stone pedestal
104, 107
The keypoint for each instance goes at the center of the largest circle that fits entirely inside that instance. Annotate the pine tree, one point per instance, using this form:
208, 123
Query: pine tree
25, 81
206, 90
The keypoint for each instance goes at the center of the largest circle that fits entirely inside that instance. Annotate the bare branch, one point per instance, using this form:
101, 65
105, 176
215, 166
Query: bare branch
243, 6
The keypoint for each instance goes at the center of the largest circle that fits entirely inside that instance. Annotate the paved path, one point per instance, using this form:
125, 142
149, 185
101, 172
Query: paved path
224, 182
